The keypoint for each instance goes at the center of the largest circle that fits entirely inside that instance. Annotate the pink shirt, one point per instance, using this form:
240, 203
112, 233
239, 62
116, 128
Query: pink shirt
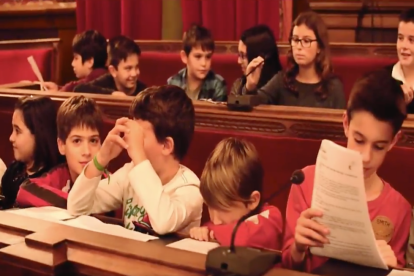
390, 214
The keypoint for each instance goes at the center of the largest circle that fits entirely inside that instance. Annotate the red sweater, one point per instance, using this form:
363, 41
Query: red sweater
96, 73
51, 189
390, 206
262, 231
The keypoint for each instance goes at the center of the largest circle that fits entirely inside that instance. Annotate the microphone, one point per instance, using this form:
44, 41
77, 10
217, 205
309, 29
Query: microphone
241, 102
244, 261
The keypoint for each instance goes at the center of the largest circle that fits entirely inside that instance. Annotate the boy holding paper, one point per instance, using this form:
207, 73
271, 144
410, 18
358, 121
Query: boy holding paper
231, 185
372, 122
155, 190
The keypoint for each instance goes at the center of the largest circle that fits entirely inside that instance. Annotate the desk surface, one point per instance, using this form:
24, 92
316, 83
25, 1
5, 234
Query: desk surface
47, 248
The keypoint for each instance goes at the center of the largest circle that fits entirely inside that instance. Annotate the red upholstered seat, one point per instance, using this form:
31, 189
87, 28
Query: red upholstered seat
14, 66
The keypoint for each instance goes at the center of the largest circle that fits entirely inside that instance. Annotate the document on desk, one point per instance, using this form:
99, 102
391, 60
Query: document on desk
339, 192
95, 225
396, 272
49, 213
188, 244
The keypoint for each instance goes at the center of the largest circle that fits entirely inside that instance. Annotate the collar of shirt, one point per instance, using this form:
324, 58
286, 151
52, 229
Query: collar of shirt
397, 72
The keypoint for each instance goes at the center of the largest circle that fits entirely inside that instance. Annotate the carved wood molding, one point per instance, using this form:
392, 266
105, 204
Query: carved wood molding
337, 49
311, 123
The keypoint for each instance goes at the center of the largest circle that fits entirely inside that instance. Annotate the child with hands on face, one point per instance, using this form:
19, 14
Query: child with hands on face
154, 189
231, 185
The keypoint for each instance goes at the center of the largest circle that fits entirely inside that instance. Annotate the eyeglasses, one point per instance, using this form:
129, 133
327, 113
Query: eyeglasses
305, 42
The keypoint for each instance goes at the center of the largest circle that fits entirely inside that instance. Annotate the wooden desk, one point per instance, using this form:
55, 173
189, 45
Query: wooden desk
46, 248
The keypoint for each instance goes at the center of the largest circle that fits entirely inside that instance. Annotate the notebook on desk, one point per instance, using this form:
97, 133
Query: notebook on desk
49, 213
192, 245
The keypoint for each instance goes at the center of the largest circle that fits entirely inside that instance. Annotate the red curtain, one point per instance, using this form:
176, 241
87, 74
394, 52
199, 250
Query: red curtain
138, 19
227, 19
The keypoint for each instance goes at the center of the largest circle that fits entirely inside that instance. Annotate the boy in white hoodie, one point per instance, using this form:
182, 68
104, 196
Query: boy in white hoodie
154, 189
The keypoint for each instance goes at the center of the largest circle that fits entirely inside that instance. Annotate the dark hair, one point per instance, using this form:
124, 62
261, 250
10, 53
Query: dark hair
78, 111
407, 16
198, 36
39, 114
120, 48
379, 94
171, 113
260, 41
323, 65
91, 44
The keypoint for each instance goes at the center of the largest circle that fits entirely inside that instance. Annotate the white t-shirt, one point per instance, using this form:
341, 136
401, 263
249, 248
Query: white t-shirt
175, 206
398, 74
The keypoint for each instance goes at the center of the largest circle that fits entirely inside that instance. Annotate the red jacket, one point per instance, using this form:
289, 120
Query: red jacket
51, 189
261, 231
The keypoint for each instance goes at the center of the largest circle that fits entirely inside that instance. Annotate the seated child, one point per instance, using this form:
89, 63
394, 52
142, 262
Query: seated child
79, 122
197, 78
34, 144
154, 189
89, 60
123, 76
375, 113
231, 186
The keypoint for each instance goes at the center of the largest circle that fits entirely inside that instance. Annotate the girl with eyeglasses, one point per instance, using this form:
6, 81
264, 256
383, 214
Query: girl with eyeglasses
308, 78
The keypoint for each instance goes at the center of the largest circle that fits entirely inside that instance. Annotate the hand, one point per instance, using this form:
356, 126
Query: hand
201, 233
51, 86
114, 143
118, 94
253, 78
135, 141
308, 232
408, 93
387, 253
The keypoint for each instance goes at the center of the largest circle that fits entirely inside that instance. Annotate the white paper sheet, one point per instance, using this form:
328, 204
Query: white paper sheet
194, 245
396, 272
48, 213
94, 224
36, 71
339, 192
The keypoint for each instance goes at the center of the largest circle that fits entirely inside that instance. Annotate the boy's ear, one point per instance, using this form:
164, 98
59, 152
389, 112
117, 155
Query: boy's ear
61, 146
254, 200
345, 123
89, 63
395, 140
184, 57
168, 146
112, 70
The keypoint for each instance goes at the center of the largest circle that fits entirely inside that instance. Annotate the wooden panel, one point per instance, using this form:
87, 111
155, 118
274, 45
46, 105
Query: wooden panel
367, 21
288, 121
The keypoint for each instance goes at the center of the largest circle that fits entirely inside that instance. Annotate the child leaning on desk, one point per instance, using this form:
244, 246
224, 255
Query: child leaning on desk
231, 185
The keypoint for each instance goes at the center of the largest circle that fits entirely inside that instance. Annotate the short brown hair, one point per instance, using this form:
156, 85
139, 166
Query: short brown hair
381, 95
120, 48
232, 172
78, 111
170, 112
198, 36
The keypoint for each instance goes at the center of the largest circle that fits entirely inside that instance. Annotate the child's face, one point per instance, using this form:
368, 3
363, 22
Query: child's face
79, 148
81, 69
242, 59
405, 43
371, 137
235, 212
23, 141
127, 73
198, 62
304, 55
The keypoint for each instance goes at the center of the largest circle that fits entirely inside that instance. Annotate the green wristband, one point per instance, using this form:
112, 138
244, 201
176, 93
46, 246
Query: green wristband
101, 168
